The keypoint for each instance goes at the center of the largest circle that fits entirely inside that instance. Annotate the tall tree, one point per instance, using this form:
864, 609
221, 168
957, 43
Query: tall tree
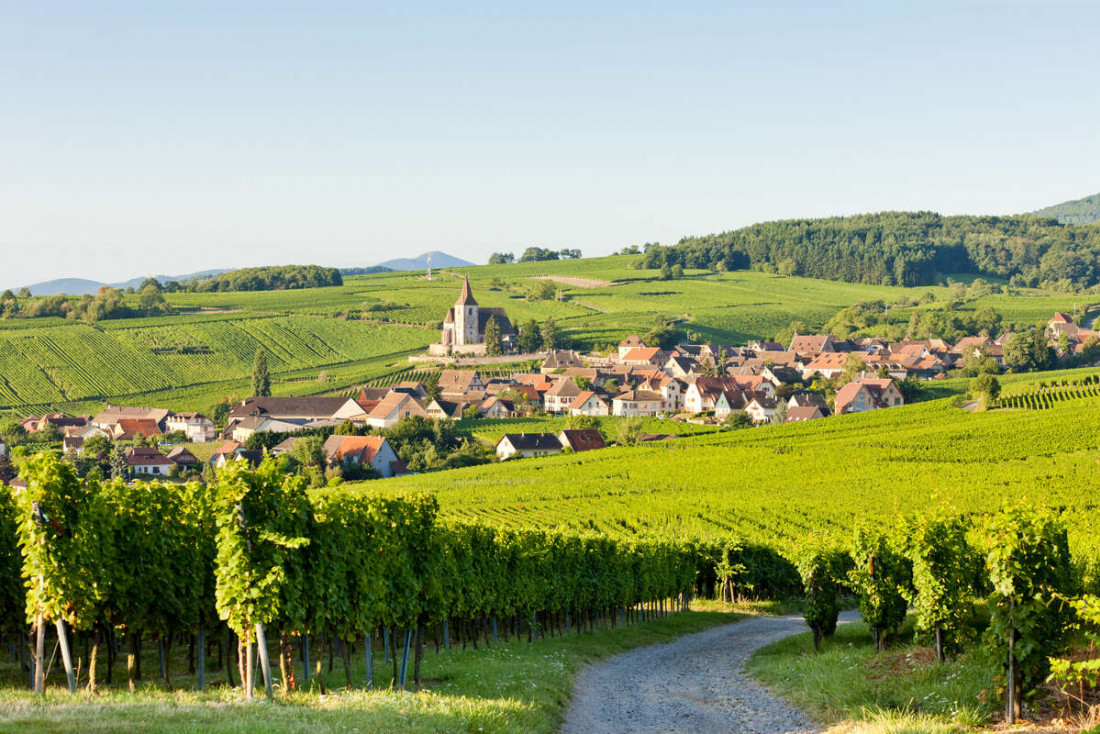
494, 346
550, 337
530, 337
261, 380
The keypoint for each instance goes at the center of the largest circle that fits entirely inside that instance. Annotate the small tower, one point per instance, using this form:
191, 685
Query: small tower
466, 317
429, 266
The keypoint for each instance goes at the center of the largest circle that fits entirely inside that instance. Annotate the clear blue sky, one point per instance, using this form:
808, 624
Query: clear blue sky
144, 137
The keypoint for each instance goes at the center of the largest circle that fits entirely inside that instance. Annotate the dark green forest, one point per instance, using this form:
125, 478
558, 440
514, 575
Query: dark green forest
270, 278
902, 248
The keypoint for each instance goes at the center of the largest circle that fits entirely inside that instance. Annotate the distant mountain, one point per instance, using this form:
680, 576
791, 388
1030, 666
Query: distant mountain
439, 260
1081, 211
81, 286
72, 286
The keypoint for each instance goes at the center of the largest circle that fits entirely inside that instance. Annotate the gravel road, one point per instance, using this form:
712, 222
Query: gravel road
694, 684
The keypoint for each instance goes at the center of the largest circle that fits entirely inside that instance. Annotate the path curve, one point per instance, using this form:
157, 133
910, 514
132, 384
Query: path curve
693, 684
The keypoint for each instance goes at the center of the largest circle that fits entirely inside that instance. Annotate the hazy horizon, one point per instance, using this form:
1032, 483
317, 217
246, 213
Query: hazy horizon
141, 140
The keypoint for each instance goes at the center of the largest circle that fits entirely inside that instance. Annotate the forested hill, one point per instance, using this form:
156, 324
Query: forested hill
902, 248
270, 278
1080, 211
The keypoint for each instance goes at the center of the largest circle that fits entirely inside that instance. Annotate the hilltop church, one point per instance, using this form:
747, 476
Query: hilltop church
464, 326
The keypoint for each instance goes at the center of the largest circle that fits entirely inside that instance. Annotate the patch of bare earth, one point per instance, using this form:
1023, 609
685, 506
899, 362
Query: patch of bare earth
575, 282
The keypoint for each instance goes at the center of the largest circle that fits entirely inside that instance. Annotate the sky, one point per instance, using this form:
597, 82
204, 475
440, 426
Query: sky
165, 137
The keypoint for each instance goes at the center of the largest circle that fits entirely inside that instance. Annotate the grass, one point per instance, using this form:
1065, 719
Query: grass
900, 690
510, 687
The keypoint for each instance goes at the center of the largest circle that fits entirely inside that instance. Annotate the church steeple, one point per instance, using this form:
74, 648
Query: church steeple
466, 298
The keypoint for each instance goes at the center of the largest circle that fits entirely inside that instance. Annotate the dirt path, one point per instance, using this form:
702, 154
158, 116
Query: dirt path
694, 684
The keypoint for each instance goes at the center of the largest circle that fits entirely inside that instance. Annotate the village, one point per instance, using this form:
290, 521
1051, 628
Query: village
814, 377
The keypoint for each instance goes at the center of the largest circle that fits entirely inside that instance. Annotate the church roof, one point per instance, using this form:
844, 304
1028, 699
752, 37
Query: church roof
466, 298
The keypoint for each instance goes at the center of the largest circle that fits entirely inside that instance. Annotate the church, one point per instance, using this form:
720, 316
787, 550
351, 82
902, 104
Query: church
464, 326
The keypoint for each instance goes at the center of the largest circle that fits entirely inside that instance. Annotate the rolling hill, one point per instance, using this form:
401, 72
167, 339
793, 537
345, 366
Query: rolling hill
83, 286
1079, 211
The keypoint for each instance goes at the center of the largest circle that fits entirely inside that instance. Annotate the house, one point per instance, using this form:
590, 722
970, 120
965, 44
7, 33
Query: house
561, 359
830, 364
631, 342
682, 367
252, 458
813, 344
395, 408
226, 449
527, 444
301, 410
128, 429
285, 446
559, 397
781, 374
703, 394
671, 389
1061, 323
589, 403
146, 461
34, 424
637, 403
496, 408
240, 431
761, 408
808, 400
867, 394
85, 432
441, 409
109, 417
416, 388
455, 384
800, 413
729, 401
644, 357
197, 427
373, 451
181, 456
75, 444
585, 439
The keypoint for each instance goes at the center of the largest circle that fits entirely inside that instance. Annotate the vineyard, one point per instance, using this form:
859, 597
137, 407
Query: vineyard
77, 362
1045, 395
115, 566
780, 484
255, 551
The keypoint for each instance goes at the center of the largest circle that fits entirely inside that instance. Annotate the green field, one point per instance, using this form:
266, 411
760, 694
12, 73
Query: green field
780, 484
365, 330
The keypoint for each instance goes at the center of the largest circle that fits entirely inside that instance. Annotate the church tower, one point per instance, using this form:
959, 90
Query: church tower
466, 317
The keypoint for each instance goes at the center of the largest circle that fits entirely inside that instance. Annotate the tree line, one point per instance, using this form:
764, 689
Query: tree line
267, 278
107, 303
534, 254
904, 248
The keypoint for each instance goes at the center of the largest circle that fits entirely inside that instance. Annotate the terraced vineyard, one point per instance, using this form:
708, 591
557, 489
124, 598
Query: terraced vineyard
778, 484
78, 362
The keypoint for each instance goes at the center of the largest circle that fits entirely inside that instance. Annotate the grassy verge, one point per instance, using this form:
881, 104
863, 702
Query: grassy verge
901, 690
510, 687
